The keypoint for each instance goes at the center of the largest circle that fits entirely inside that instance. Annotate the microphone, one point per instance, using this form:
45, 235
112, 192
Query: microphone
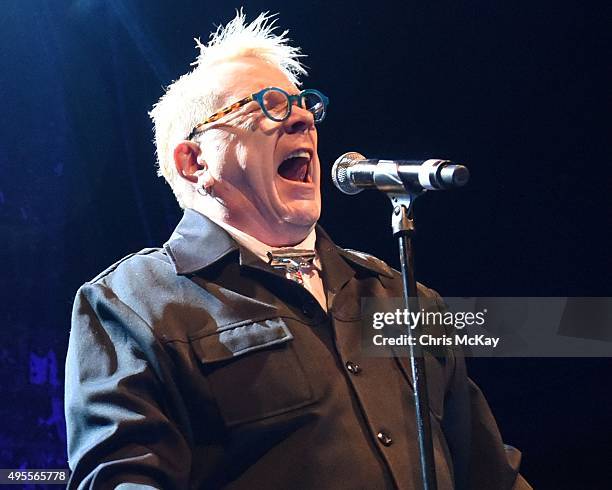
353, 172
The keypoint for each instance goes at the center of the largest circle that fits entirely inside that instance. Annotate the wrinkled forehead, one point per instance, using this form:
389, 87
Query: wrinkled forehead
238, 78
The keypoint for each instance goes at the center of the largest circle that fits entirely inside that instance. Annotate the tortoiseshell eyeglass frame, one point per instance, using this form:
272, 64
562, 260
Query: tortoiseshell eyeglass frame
259, 98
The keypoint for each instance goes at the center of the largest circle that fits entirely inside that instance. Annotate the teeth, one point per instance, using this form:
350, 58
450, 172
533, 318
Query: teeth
297, 153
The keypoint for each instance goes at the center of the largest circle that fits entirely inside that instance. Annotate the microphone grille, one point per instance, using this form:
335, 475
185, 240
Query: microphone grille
340, 172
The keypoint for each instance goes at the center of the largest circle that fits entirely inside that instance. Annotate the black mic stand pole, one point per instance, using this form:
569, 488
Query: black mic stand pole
403, 228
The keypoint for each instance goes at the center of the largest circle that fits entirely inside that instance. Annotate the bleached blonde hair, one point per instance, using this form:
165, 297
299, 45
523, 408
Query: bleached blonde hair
191, 99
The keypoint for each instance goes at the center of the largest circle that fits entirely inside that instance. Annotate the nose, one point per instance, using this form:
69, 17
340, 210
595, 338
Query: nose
299, 121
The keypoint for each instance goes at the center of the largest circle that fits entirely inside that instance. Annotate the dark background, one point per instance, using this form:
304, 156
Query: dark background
517, 90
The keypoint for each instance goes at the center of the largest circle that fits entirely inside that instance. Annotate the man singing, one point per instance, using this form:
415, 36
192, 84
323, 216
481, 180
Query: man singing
230, 358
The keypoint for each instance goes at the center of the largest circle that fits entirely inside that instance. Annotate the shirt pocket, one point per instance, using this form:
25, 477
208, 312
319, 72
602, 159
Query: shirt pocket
253, 370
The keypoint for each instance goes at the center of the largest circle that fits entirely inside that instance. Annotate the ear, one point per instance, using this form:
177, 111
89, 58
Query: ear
186, 155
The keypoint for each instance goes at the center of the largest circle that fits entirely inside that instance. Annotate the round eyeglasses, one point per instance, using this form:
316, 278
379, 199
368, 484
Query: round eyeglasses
276, 105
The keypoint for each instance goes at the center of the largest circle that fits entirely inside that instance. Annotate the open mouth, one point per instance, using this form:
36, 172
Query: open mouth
296, 166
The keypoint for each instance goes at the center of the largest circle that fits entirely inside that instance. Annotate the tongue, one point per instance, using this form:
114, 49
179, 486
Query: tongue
294, 169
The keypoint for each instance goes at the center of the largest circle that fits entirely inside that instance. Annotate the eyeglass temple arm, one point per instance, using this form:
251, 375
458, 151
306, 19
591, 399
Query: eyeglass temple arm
219, 114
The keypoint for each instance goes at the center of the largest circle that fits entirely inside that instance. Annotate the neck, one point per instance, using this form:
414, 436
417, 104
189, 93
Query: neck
281, 234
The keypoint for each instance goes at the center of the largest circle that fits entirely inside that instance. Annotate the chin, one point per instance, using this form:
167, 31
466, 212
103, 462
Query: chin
304, 215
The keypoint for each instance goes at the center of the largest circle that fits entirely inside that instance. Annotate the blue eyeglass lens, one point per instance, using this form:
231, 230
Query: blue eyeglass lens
276, 104
314, 103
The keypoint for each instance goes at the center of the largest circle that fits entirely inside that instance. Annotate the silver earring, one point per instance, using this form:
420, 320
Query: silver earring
205, 191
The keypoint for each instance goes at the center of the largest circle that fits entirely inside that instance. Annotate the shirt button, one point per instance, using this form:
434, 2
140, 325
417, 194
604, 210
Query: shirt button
384, 438
353, 367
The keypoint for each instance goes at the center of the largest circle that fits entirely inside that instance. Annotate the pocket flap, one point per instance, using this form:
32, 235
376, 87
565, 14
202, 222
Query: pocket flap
236, 341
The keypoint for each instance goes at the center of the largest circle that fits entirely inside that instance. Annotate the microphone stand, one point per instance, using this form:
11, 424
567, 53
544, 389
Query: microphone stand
402, 221
403, 181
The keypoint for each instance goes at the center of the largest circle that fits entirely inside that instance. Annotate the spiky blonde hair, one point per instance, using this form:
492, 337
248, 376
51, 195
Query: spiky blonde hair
191, 99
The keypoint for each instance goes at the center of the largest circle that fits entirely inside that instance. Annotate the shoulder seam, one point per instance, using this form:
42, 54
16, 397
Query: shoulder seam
113, 267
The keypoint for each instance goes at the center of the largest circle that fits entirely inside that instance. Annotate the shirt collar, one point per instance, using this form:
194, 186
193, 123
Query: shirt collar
259, 248
198, 242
